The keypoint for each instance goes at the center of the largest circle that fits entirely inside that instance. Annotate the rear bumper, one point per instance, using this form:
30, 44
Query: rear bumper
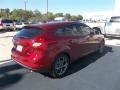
22, 64
6, 28
31, 64
19, 27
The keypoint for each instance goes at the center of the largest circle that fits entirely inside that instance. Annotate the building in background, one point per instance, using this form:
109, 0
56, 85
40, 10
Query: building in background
101, 16
59, 19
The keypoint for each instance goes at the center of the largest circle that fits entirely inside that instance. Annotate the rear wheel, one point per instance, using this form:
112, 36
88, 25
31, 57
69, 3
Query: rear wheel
60, 66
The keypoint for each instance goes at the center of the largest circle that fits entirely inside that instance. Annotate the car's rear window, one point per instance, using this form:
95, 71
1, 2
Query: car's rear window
7, 21
29, 33
115, 19
18, 23
26, 23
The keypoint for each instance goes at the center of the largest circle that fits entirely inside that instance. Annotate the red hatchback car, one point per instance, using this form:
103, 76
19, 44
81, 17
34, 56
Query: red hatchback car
53, 46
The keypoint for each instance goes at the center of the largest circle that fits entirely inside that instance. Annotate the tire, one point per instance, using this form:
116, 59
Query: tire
14, 29
60, 66
101, 48
97, 30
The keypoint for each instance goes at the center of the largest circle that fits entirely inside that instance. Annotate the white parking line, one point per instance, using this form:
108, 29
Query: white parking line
113, 42
6, 62
8, 34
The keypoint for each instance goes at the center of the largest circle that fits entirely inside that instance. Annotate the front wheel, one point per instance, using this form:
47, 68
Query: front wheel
60, 66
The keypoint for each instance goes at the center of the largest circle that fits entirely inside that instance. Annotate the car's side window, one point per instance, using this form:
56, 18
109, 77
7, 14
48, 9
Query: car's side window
71, 30
59, 32
84, 29
67, 31
79, 30
76, 30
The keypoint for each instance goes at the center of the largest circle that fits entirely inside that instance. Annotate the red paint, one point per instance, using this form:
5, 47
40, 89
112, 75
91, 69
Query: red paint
42, 57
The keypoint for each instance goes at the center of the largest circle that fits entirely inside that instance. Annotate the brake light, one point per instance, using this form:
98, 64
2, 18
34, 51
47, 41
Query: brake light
41, 40
38, 42
40, 45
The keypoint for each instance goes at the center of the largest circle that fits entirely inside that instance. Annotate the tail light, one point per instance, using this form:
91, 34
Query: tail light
42, 41
38, 42
40, 45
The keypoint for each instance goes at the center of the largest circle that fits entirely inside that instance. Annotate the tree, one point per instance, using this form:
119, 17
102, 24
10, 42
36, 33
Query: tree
37, 14
59, 15
79, 17
1, 10
76, 18
17, 14
48, 17
21, 14
4, 13
67, 16
28, 15
73, 18
7, 11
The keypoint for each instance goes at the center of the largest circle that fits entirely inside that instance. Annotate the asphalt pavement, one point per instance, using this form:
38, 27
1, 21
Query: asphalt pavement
93, 72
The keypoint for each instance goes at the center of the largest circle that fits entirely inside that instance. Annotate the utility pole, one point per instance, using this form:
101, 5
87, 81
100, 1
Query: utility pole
25, 10
25, 5
47, 9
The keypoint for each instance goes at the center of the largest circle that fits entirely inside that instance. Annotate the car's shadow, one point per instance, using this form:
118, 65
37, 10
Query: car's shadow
9, 79
84, 62
6, 78
8, 68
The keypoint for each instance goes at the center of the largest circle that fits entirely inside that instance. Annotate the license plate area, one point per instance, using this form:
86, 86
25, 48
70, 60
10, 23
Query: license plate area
7, 25
19, 48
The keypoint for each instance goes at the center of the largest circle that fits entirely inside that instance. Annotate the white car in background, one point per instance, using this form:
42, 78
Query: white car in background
6, 24
20, 25
112, 27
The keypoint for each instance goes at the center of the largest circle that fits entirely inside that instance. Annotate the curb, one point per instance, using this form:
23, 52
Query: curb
5, 61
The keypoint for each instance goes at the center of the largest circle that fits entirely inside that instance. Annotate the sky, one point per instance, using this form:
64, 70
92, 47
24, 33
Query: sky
74, 7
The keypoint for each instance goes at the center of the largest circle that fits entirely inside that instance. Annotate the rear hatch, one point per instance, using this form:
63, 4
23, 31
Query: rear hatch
19, 25
7, 23
23, 41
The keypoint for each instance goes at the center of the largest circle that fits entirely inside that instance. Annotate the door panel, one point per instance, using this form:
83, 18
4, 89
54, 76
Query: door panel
90, 42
